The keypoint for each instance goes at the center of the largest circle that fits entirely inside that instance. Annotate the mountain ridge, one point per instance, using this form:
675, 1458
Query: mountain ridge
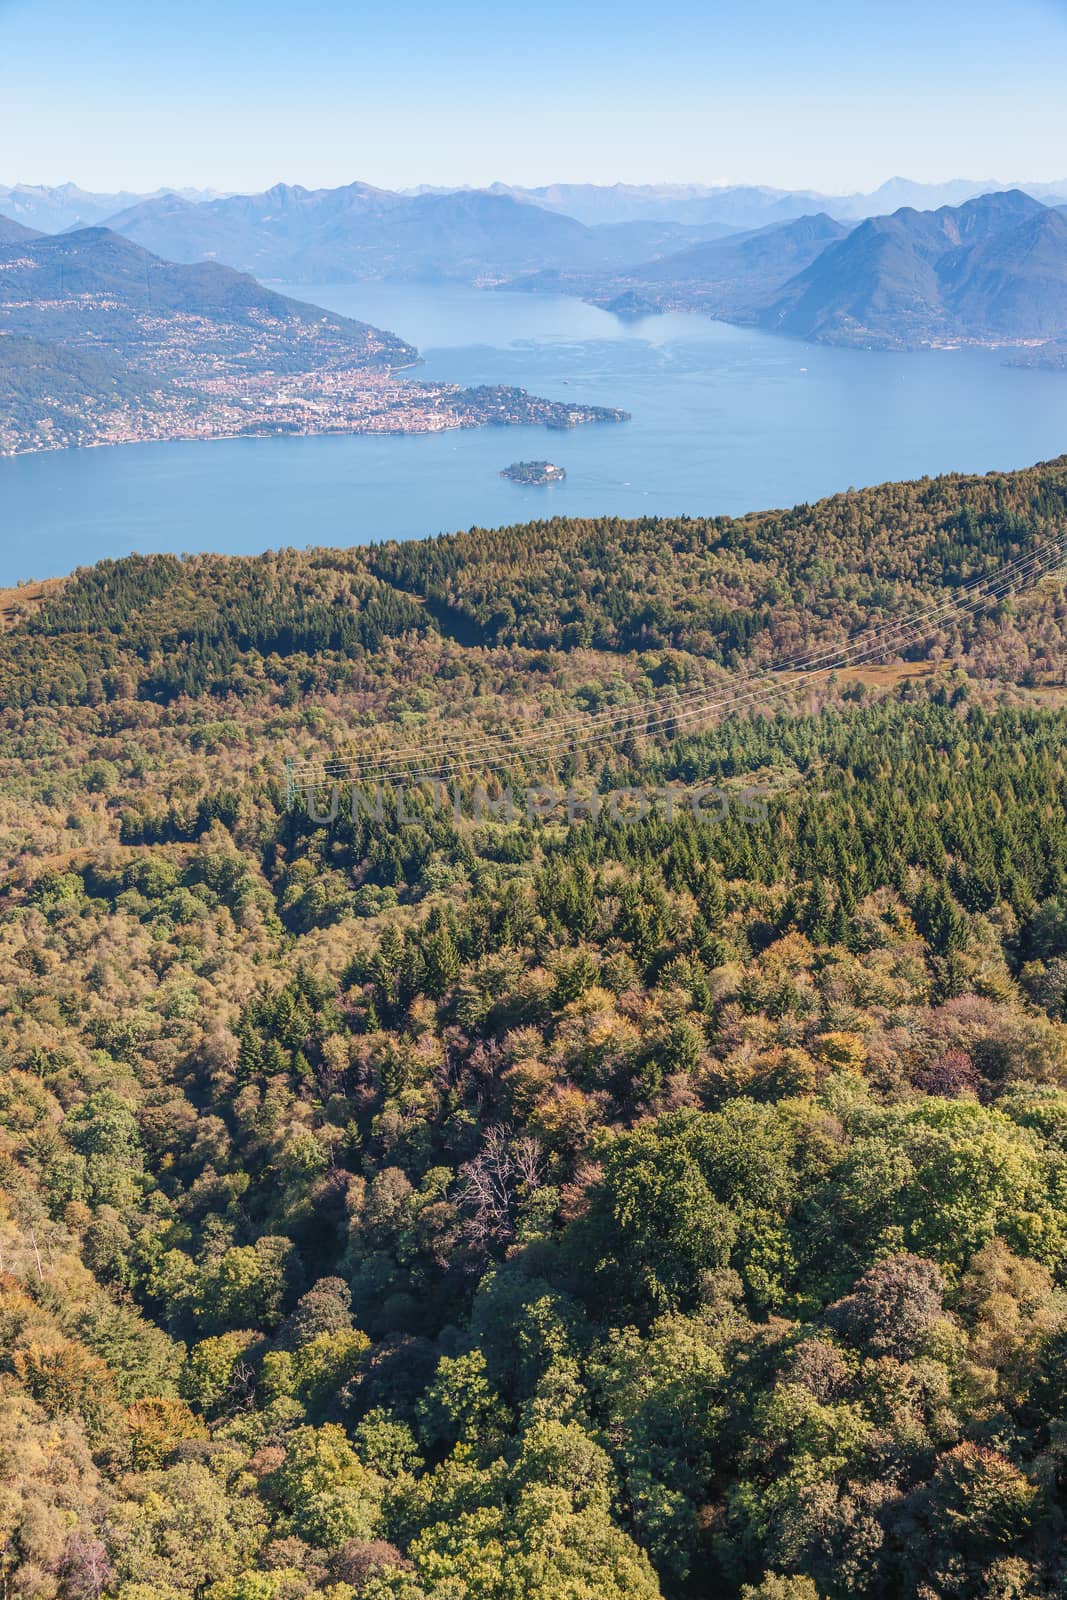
54, 208
358, 232
12, 232
730, 278
992, 269
97, 261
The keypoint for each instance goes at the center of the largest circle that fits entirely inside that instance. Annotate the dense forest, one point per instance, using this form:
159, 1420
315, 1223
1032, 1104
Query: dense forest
474, 1208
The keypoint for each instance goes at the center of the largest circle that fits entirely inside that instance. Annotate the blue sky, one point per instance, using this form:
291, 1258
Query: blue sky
237, 95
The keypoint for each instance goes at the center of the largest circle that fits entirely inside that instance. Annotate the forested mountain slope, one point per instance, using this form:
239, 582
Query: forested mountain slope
992, 269
12, 232
733, 278
95, 289
458, 1209
102, 342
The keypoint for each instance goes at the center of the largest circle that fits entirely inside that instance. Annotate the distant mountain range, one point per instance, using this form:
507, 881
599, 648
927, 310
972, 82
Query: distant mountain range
987, 268
734, 206
51, 210
359, 232
993, 270
733, 277
755, 274
748, 206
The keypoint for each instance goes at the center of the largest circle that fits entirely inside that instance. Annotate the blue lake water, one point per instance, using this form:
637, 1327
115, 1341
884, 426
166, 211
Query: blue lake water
725, 420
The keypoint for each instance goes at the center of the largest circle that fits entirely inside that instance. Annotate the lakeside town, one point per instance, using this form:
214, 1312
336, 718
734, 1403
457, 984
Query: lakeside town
182, 356
125, 376
338, 401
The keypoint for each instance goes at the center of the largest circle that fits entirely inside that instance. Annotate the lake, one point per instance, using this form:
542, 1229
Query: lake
725, 420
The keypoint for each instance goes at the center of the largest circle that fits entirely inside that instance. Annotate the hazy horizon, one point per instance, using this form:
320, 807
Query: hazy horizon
994, 183
239, 98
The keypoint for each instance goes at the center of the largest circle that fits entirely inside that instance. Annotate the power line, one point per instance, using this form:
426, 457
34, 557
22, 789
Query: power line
681, 708
501, 749
817, 662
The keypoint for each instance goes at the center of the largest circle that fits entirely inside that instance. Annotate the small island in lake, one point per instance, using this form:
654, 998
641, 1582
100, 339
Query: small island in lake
534, 472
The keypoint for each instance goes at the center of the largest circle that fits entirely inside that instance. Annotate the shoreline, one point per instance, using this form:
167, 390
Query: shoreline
317, 433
